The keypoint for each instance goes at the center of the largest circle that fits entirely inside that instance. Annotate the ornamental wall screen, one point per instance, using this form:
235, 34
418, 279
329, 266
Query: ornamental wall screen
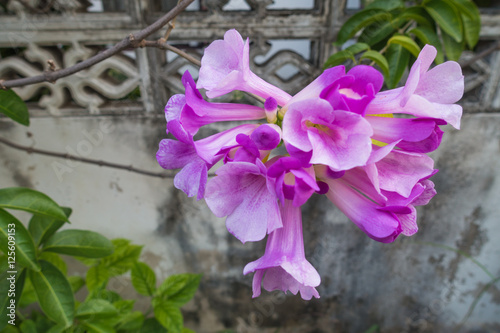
291, 40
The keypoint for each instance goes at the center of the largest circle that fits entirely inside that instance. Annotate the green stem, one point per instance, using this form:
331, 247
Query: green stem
446, 247
18, 313
476, 300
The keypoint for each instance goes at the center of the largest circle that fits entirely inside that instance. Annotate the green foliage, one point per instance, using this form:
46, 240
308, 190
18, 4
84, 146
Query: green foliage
30, 201
54, 293
12, 106
81, 243
397, 30
42, 275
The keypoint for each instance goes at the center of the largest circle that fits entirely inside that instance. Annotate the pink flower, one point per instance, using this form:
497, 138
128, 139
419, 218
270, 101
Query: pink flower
284, 266
225, 67
191, 111
339, 139
241, 191
195, 157
427, 93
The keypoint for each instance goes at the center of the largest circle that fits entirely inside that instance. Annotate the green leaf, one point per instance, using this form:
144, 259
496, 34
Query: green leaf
471, 19
109, 296
378, 31
180, 288
151, 325
143, 279
338, 58
32, 201
398, 58
360, 20
14, 236
43, 324
83, 243
76, 282
28, 296
97, 277
12, 329
464, 6
447, 17
57, 329
42, 227
429, 36
54, 293
96, 309
131, 322
419, 15
187, 330
168, 315
379, 59
28, 326
357, 47
55, 260
407, 43
123, 258
452, 48
13, 107
124, 305
97, 327
7, 295
387, 5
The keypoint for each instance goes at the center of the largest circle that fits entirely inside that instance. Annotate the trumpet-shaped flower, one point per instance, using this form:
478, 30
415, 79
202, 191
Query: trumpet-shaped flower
427, 93
339, 139
284, 266
292, 181
241, 191
191, 111
263, 139
195, 158
225, 67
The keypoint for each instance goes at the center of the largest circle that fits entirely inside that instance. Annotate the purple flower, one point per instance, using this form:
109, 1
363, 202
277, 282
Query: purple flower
427, 94
292, 181
339, 139
191, 111
257, 145
421, 135
284, 266
225, 67
196, 157
241, 191
380, 197
356, 197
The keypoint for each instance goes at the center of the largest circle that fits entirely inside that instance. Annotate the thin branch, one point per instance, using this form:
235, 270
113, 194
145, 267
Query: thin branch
131, 41
171, 26
31, 150
160, 44
481, 55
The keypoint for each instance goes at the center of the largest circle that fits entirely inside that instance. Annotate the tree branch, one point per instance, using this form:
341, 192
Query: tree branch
31, 150
481, 55
160, 44
131, 41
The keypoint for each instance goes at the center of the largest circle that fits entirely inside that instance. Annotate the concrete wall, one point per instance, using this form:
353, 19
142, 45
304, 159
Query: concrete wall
407, 286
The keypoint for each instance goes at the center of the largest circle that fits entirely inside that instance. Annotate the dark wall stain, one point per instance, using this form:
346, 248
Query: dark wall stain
471, 241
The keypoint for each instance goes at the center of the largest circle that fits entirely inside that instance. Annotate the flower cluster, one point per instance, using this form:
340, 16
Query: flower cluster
364, 149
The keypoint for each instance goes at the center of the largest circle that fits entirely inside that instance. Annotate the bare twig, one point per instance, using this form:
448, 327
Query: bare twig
481, 55
31, 150
171, 26
130, 41
160, 44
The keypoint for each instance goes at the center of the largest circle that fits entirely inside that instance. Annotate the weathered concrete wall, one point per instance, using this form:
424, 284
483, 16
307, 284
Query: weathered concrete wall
407, 284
